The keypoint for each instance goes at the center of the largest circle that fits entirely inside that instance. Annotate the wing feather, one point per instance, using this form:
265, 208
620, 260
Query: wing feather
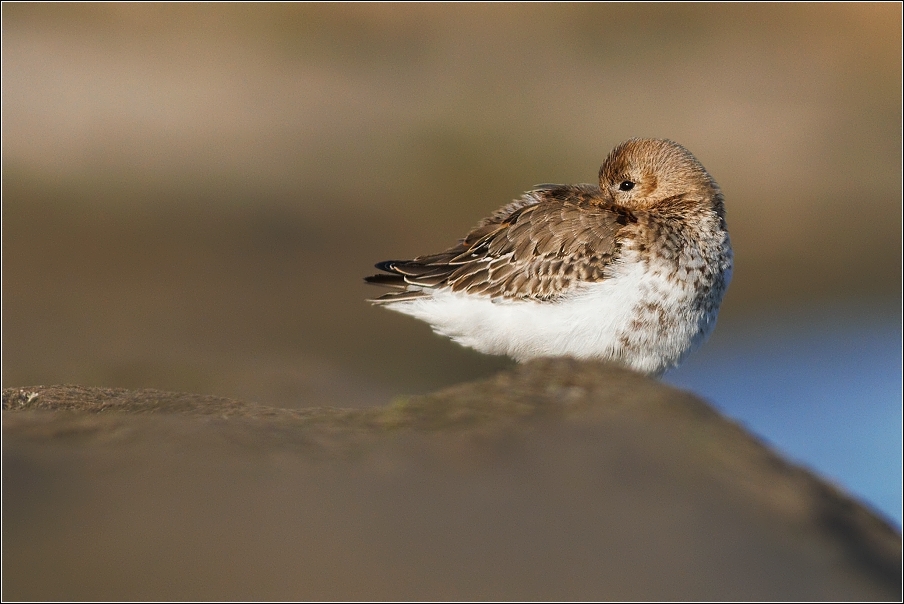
534, 248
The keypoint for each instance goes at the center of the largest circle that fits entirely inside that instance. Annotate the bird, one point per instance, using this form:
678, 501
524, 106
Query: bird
631, 270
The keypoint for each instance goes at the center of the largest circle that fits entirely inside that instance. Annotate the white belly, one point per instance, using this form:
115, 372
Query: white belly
596, 320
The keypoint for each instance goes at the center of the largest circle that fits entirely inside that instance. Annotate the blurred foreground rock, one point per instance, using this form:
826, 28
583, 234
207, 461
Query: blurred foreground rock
556, 480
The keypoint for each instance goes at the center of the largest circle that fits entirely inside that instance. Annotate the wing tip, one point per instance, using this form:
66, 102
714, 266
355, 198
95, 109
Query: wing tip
385, 280
396, 280
402, 296
387, 265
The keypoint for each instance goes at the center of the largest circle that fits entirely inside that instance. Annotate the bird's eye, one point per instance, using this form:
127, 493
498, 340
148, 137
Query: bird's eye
626, 185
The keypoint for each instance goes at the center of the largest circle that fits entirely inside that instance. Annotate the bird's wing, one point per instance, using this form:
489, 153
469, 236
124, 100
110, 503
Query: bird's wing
534, 248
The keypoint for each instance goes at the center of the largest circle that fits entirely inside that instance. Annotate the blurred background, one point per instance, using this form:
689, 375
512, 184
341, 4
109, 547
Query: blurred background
192, 194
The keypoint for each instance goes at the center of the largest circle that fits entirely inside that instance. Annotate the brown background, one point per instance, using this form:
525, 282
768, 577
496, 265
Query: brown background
191, 194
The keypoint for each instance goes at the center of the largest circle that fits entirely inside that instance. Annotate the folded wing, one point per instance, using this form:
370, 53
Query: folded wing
534, 248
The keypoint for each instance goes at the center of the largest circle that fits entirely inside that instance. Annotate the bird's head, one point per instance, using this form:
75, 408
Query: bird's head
642, 173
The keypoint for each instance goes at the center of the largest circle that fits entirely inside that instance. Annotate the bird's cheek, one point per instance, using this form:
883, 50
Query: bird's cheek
646, 190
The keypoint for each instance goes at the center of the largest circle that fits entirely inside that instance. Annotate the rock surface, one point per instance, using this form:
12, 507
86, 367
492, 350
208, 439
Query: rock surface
555, 480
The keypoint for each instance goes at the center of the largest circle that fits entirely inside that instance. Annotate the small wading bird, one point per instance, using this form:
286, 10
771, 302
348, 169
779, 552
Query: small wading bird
632, 270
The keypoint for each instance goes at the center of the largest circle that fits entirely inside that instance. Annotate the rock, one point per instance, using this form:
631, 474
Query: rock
555, 480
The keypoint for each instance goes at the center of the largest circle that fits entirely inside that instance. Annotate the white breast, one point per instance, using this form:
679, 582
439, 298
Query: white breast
595, 320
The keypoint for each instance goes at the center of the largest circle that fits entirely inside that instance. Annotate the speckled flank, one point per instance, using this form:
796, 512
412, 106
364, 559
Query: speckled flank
632, 270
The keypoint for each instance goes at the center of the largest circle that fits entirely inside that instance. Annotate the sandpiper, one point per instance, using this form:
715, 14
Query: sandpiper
631, 270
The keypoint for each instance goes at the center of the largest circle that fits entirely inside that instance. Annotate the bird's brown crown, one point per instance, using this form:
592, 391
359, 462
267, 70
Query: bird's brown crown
642, 172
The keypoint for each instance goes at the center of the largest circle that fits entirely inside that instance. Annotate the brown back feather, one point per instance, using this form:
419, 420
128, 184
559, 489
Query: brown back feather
534, 248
